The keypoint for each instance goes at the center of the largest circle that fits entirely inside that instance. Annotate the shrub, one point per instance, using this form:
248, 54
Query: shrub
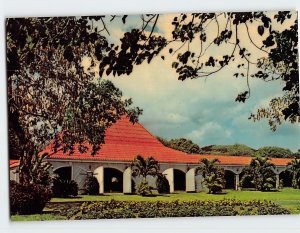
144, 189
162, 184
64, 188
91, 185
141, 209
28, 198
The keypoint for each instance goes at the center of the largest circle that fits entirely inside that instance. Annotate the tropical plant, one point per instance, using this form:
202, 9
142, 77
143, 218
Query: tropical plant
144, 189
260, 173
294, 168
162, 184
91, 185
142, 168
64, 188
213, 175
39, 170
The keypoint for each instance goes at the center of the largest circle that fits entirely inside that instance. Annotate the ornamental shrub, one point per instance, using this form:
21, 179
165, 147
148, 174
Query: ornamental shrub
154, 209
64, 188
91, 185
162, 184
144, 189
28, 198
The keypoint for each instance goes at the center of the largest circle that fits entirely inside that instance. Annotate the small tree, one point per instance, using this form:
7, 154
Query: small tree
162, 184
213, 175
91, 185
260, 173
144, 167
294, 168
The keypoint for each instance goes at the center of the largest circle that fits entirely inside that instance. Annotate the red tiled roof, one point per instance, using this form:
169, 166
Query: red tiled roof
124, 141
13, 163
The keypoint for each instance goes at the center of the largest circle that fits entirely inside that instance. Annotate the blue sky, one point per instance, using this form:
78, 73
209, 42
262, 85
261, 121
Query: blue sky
203, 110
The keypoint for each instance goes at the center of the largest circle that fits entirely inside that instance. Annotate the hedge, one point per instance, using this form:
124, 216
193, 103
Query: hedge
141, 209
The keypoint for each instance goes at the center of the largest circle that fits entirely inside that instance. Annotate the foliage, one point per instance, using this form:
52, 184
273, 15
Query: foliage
213, 175
28, 198
235, 150
144, 167
294, 168
51, 90
272, 55
274, 152
141, 209
91, 185
39, 170
64, 188
144, 189
260, 173
162, 184
181, 144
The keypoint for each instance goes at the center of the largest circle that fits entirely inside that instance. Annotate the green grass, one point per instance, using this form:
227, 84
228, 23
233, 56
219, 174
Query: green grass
288, 197
37, 217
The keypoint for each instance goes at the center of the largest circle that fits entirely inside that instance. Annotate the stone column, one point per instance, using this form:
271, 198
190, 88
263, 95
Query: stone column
277, 181
169, 173
237, 181
127, 189
190, 180
99, 174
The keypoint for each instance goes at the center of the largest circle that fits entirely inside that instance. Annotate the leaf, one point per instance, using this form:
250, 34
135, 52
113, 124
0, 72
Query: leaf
260, 30
124, 19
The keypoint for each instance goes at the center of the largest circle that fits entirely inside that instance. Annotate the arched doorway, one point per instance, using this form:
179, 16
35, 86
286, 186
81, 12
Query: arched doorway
64, 173
245, 182
113, 180
179, 180
286, 178
230, 179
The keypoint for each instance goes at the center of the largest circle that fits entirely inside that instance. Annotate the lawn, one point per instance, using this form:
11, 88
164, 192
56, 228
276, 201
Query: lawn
288, 197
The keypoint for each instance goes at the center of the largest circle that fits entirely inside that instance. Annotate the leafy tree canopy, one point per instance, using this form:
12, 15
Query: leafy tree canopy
274, 152
181, 144
236, 150
260, 45
50, 90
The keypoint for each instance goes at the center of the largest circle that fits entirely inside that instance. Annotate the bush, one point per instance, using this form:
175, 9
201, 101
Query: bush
141, 209
64, 188
162, 184
144, 189
28, 198
91, 185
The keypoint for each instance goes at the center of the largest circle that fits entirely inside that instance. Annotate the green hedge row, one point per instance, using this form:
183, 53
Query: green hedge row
141, 209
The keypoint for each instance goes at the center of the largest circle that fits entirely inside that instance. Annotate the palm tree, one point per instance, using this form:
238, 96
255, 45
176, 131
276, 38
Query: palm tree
294, 168
144, 167
213, 175
260, 173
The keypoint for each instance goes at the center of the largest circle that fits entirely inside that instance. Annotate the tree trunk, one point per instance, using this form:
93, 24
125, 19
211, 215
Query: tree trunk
25, 164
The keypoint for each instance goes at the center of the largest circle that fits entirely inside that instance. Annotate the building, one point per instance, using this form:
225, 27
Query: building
123, 142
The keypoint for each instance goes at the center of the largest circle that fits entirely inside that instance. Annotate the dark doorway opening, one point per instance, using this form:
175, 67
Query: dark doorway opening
113, 180
64, 173
286, 178
230, 180
179, 180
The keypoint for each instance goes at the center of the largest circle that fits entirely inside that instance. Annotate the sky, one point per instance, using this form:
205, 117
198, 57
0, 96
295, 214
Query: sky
203, 110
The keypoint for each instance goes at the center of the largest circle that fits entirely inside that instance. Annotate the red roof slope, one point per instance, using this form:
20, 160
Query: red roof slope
13, 163
124, 141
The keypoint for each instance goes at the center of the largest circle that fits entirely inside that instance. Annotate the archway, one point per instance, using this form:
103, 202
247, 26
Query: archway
286, 178
179, 180
113, 180
246, 184
64, 173
230, 179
